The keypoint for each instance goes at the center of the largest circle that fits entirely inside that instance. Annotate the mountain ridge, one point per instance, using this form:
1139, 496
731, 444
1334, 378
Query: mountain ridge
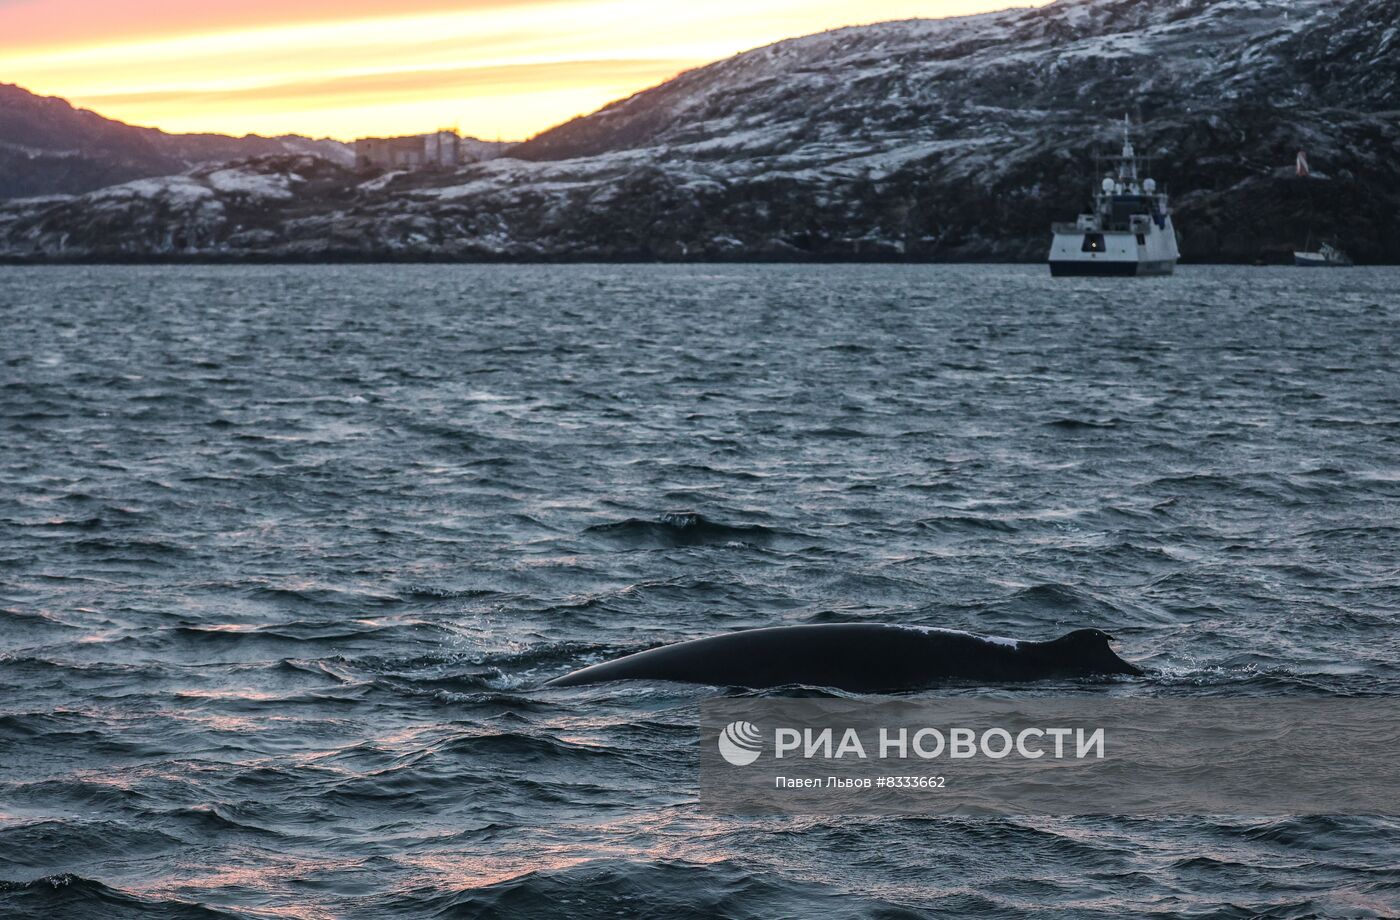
49, 146
925, 140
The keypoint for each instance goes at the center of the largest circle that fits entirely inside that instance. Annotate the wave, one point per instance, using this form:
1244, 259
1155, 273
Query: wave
837, 432
619, 887
967, 523
1082, 424
301, 631
60, 842
434, 593
685, 528
1058, 598
74, 897
113, 549
494, 675
515, 748
325, 596
223, 818
61, 727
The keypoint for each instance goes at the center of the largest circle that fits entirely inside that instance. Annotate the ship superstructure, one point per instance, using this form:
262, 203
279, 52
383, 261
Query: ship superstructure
1129, 232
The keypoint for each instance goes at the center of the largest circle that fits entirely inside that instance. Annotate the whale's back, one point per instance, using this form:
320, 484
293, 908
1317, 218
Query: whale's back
857, 657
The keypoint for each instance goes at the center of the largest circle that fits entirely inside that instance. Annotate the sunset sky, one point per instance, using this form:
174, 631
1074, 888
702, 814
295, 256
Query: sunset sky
346, 68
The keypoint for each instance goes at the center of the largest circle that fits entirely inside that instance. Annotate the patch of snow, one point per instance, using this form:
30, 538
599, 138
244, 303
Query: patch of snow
35, 201
337, 152
253, 184
180, 190
380, 182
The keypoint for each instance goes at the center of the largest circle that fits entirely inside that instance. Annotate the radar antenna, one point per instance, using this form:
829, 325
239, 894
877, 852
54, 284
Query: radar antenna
1127, 169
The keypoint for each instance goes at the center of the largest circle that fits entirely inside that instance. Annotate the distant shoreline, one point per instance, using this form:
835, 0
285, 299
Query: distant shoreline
765, 259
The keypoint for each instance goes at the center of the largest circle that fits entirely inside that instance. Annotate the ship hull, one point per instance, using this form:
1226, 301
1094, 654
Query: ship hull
1085, 269
1113, 253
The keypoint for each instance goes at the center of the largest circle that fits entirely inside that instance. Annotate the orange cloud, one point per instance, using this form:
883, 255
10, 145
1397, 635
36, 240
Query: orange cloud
379, 87
345, 68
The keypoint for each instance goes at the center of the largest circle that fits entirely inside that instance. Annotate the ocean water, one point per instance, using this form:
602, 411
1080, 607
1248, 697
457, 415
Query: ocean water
285, 553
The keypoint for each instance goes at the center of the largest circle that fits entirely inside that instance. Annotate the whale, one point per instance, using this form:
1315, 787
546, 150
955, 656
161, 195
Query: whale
860, 658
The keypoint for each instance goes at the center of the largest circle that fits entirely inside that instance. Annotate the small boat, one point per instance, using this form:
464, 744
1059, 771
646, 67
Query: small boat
1327, 256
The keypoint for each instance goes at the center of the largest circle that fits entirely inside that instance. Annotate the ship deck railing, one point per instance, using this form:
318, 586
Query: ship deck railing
1076, 229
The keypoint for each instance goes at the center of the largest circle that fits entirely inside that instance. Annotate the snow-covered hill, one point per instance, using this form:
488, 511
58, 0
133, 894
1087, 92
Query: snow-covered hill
887, 86
925, 139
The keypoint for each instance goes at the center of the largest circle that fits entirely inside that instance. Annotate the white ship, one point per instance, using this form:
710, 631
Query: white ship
1129, 232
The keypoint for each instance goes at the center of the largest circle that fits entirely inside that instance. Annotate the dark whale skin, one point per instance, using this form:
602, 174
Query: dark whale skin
859, 658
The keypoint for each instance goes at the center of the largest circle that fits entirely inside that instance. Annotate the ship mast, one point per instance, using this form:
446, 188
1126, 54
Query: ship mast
1127, 163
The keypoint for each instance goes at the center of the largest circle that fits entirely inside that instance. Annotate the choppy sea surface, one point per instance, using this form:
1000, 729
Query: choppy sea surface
285, 553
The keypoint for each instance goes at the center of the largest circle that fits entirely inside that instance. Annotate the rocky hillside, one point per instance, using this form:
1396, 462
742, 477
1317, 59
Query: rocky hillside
926, 139
49, 147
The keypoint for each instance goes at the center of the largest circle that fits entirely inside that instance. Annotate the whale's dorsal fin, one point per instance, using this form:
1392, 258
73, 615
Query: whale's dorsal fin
1091, 649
